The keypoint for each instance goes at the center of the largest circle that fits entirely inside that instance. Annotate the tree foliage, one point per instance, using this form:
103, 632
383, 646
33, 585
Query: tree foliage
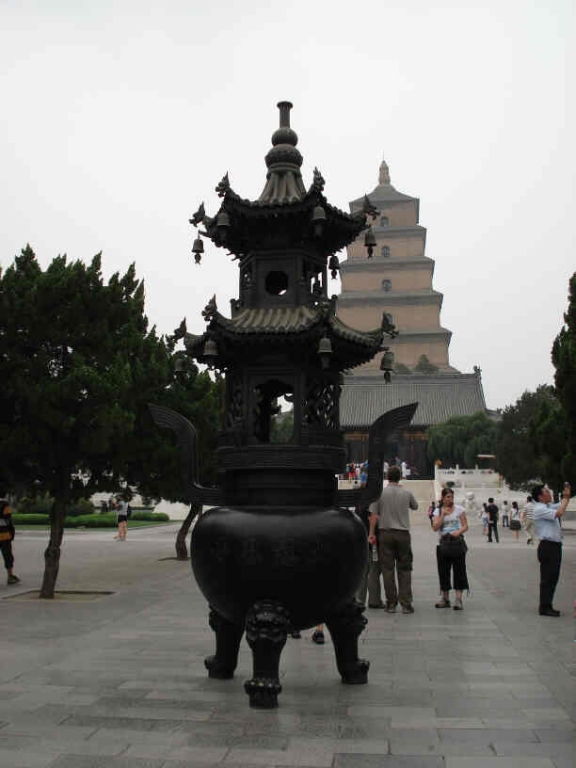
153, 461
425, 366
460, 439
282, 428
564, 360
531, 439
79, 366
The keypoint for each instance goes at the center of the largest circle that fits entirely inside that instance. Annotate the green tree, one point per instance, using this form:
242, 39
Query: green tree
152, 461
564, 360
460, 439
282, 428
79, 366
527, 445
548, 435
425, 366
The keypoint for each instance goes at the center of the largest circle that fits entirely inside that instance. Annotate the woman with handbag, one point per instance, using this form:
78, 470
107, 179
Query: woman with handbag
451, 523
515, 524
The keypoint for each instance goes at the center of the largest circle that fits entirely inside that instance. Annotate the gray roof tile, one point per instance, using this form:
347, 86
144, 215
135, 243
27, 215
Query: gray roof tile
439, 397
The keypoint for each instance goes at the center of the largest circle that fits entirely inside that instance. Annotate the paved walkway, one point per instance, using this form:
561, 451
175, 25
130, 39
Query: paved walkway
119, 682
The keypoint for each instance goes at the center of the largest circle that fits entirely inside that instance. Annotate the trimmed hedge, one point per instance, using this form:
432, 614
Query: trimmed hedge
157, 516
41, 505
36, 519
107, 520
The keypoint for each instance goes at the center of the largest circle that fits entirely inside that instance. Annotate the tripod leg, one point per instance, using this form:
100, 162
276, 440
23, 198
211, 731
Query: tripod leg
267, 625
345, 628
221, 666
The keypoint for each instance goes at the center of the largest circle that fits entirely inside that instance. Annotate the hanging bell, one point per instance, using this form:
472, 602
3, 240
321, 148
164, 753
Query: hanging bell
223, 225
210, 349
324, 351
198, 250
318, 219
179, 365
369, 241
387, 364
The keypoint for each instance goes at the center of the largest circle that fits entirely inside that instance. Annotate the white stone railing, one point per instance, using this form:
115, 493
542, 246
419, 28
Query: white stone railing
467, 478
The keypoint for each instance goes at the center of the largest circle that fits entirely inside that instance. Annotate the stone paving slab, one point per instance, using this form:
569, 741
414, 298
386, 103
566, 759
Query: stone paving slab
120, 683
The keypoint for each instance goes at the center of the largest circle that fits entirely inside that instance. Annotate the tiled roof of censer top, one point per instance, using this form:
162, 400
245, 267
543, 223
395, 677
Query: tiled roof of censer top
291, 320
439, 397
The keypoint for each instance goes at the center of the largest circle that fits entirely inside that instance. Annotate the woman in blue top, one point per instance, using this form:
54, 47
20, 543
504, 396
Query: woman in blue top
450, 521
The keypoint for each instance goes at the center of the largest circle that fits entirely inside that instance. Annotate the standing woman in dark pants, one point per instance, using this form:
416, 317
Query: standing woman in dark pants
450, 521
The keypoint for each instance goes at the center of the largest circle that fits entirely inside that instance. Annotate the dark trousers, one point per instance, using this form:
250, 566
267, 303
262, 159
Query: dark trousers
6, 547
455, 564
550, 559
395, 553
493, 529
370, 583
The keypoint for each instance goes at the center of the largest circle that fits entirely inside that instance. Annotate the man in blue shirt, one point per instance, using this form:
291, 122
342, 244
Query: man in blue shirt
547, 523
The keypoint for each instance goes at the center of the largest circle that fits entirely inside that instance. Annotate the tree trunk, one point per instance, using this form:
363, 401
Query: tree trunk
181, 549
52, 552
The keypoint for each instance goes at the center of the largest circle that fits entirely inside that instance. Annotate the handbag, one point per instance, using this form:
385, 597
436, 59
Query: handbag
452, 546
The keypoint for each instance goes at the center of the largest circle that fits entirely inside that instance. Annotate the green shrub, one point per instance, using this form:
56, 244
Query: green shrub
106, 520
34, 505
149, 516
33, 519
42, 505
80, 507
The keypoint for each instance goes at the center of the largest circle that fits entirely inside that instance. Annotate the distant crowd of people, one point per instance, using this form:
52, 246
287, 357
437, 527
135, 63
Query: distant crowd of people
357, 472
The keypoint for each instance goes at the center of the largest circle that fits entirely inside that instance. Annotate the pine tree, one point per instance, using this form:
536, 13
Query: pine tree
78, 366
564, 360
530, 440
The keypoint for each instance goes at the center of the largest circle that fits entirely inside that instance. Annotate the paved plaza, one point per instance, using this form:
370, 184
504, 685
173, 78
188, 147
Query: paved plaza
119, 681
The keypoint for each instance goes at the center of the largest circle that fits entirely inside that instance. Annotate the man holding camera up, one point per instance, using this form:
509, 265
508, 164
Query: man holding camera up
547, 523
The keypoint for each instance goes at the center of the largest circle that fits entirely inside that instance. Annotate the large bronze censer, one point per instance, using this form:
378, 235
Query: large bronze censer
281, 549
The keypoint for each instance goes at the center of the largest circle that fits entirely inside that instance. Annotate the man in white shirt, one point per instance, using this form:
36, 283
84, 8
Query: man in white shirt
547, 523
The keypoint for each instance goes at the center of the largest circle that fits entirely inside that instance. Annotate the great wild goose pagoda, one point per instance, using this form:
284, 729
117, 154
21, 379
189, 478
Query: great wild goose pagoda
398, 280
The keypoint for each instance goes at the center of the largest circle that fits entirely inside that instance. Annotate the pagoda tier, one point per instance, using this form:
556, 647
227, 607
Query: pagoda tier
398, 280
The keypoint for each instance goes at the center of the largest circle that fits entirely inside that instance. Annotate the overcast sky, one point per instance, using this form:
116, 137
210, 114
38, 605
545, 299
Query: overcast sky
119, 118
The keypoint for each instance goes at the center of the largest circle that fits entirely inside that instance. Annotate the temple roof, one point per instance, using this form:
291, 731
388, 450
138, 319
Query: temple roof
439, 397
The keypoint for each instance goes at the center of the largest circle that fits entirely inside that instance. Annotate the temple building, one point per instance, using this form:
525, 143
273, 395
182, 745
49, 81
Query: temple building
397, 280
